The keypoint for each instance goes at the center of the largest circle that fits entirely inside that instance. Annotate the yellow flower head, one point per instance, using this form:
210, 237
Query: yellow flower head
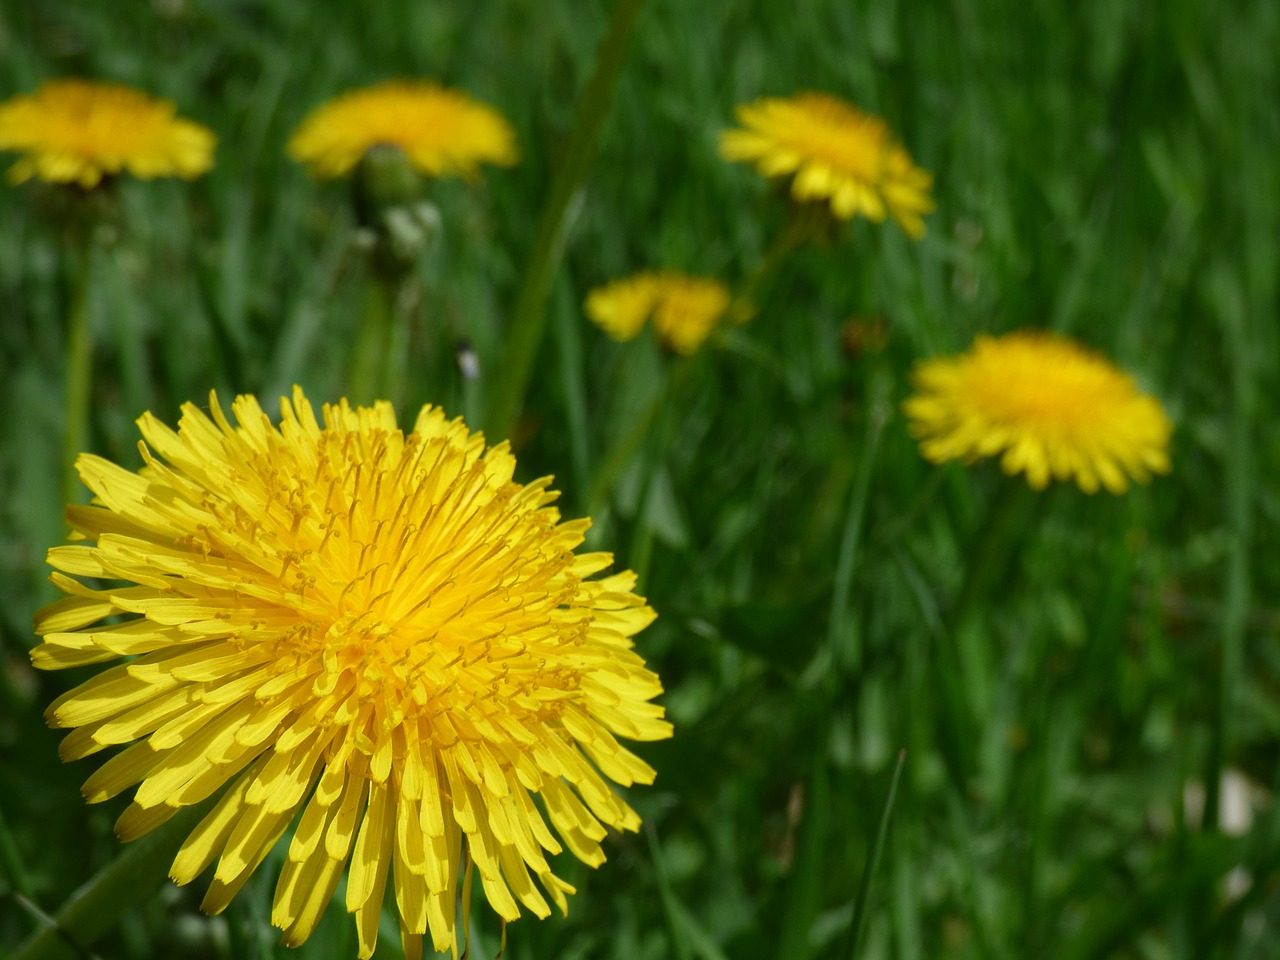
79, 131
684, 309
834, 154
1048, 406
378, 634
443, 132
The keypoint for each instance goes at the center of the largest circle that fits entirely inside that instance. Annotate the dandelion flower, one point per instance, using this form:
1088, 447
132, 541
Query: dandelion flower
684, 309
375, 633
79, 131
443, 132
834, 153
621, 307
1049, 407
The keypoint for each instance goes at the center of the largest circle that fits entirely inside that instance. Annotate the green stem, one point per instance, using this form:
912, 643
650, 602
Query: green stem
79, 368
373, 341
96, 907
794, 234
993, 548
395, 362
530, 316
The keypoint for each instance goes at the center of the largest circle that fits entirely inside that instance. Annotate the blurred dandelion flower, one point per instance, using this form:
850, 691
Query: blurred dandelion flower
621, 307
443, 132
684, 309
79, 131
1049, 407
380, 631
834, 154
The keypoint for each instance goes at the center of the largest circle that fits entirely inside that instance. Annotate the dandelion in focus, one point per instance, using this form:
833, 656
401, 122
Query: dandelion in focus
80, 131
443, 132
835, 155
684, 309
375, 635
1047, 406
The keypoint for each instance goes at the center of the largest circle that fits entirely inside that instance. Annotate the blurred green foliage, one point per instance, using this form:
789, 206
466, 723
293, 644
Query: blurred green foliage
1106, 169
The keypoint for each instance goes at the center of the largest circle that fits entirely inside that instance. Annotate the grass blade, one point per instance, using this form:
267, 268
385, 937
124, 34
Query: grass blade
97, 906
873, 859
530, 317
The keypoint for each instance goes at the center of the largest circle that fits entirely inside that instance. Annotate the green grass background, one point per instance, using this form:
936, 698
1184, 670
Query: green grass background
1058, 667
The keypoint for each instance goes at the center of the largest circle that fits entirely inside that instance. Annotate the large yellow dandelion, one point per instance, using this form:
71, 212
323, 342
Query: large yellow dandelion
684, 309
1047, 406
79, 131
443, 132
379, 635
834, 153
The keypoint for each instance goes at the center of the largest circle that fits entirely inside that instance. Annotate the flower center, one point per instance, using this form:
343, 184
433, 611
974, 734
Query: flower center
420, 578
844, 138
1021, 385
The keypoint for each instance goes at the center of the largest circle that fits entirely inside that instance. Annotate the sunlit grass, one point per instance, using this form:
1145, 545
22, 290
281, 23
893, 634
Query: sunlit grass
827, 597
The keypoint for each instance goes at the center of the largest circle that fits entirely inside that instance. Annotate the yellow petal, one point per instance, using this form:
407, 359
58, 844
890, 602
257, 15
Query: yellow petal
208, 838
368, 860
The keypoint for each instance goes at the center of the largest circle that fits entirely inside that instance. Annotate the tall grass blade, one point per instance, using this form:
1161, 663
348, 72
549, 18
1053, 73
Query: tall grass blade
530, 317
873, 859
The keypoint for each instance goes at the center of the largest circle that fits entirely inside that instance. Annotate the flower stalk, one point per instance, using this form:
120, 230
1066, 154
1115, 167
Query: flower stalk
786, 242
376, 364
396, 225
